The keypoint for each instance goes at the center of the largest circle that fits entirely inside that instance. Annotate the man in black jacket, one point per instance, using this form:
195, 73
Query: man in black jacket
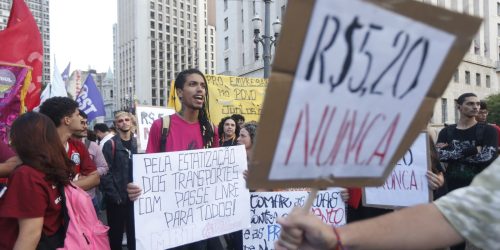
467, 147
118, 153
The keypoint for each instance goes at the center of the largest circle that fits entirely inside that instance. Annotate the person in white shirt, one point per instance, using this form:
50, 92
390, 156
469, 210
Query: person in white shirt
103, 133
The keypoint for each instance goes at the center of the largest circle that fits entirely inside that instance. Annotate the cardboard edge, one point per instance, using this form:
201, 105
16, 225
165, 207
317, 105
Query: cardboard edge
428, 160
286, 64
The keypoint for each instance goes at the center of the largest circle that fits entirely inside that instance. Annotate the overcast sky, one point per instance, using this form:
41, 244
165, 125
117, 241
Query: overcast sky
81, 32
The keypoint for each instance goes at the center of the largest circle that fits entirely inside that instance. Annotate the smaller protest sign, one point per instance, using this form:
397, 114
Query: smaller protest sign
189, 196
146, 115
407, 184
266, 207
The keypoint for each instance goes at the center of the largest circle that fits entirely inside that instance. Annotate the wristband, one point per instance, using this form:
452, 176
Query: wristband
339, 242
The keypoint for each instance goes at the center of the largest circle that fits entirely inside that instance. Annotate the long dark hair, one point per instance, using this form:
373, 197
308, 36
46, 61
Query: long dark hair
35, 139
206, 127
222, 135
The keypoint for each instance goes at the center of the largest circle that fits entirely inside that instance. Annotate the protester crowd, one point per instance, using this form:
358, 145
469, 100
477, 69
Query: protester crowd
53, 147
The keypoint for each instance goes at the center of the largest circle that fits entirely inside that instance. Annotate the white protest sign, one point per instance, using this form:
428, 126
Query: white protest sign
407, 184
266, 207
363, 73
189, 196
146, 115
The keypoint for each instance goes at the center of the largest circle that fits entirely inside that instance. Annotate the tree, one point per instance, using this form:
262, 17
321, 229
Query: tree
493, 102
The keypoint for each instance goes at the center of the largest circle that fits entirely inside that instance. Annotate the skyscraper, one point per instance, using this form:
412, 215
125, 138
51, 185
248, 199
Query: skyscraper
235, 35
40, 11
156, 39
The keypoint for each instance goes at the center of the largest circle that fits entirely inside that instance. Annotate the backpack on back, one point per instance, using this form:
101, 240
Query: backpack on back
165, 121
84, 230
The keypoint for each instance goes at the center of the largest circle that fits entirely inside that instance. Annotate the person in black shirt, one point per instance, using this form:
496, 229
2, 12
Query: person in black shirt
467, 147
228, 131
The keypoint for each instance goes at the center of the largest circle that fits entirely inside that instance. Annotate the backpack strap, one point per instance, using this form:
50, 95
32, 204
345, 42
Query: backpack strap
165, 121
113, 148
64, 208
87, 143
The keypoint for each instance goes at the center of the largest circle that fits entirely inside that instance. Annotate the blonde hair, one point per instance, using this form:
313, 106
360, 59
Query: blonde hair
122, 113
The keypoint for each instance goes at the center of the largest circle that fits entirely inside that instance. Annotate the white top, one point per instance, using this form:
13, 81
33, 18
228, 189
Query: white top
105, 139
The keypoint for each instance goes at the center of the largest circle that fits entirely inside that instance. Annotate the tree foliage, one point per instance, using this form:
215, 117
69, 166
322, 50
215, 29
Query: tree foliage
493, 102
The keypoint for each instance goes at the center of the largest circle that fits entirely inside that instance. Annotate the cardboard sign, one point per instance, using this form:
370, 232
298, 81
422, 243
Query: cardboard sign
407, 184
146, 115
266, 207
352, 87
189, 196
229, 95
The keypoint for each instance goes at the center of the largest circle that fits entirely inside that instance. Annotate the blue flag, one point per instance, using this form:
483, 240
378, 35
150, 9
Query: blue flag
65, 73
90, 100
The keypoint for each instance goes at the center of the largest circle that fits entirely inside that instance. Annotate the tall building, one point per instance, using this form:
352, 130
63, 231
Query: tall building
235, 35
477, 73
154, 40
105, 83
40, 11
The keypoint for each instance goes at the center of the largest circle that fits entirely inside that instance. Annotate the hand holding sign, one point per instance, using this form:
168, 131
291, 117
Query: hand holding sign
188, 196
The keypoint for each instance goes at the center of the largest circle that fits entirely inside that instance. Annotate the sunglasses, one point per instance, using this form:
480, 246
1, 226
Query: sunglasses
122, 120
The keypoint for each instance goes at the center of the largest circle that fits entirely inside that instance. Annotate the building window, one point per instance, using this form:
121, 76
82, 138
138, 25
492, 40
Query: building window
225, 5
242, 16
478, 79
444, 110
488, 81
455, 76
498, 9
226, 43
242, 36
467, 77
243, 59
226, 23
226, 64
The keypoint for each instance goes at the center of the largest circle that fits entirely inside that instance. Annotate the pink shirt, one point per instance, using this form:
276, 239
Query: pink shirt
182, 135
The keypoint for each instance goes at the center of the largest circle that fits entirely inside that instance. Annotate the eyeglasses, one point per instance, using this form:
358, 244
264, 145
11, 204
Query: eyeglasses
122, 120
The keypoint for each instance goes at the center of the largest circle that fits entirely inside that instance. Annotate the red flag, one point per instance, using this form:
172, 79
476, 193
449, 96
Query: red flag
21, 43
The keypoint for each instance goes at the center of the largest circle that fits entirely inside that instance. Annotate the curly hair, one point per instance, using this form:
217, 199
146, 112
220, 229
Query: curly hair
221, 128
58, 107
41, 149
251, 127
206, 127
